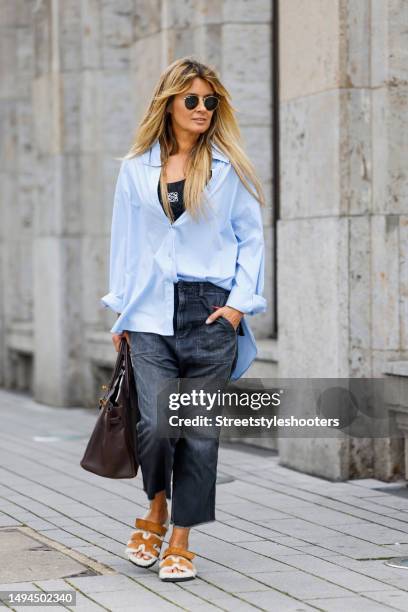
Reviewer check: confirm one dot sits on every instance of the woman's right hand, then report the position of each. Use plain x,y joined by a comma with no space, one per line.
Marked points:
116,339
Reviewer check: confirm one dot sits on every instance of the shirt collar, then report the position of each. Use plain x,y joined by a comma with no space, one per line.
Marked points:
152,155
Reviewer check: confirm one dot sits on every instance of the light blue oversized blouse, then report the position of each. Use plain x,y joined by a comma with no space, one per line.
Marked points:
148,253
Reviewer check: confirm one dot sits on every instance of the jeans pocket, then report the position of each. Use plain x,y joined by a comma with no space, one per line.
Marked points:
144,343
227,323
216,340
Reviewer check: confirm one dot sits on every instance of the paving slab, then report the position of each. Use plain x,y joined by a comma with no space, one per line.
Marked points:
356,604
24,559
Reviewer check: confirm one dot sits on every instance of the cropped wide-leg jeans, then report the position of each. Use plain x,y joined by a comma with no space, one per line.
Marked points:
184,467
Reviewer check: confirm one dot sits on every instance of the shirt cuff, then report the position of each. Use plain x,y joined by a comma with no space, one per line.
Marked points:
110,300
247,303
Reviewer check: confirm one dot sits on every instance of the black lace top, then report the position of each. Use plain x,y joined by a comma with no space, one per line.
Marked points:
175,195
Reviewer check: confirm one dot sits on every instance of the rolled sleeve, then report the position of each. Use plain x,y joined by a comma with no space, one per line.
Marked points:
247,288
114,299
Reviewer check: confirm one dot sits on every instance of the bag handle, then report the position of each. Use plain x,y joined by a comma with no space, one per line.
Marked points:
118,366
128,365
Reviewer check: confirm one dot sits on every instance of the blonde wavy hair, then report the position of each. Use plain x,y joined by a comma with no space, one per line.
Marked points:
224,132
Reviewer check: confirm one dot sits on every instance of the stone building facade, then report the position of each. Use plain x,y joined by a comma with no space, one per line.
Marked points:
76,76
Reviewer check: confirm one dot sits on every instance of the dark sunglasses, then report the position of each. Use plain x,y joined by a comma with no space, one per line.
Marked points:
210,101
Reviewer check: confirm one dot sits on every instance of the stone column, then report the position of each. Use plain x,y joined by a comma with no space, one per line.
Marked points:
17,194
58,225
342,269
8,166
323,234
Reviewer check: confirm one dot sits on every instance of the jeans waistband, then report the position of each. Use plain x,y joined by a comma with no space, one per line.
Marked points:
199,287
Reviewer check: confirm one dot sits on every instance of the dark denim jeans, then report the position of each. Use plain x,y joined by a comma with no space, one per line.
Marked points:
195,350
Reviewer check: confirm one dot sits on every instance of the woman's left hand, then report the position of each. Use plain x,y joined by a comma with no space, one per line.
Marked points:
233,315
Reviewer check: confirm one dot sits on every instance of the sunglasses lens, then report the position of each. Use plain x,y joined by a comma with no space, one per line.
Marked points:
191,102
211,103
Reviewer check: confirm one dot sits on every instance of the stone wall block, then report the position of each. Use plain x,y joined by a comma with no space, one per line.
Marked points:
243,93
25,137
117,119
58,353
379,50
8,64
359,291
326,458
110,170
91,43
10,271
24,11
25,62
397,41
177,42
70,34
147,18
48,120
309,47
91,105
93,219
70,83
178,14
144,75
256,141
354,43
380,150
47,209
71,209
355,151
117,33
251,42
243,11
390,150
397,196
211,12
403,280
95,251
310,160
208,44
42,37
385,282
8,136
312,298
22,283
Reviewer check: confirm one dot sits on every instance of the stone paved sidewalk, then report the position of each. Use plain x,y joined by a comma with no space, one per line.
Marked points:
283,540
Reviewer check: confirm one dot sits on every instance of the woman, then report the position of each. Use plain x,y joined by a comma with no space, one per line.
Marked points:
186,265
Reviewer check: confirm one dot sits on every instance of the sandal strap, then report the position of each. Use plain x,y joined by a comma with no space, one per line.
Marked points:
179,552
139,537
179,563
145,548
147,545
156,528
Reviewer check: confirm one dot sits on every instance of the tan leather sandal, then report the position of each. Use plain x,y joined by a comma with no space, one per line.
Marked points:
148,539
178,559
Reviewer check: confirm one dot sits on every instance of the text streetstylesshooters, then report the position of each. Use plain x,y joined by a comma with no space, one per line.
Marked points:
223,421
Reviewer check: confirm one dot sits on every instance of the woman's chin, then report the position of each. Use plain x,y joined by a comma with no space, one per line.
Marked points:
199,129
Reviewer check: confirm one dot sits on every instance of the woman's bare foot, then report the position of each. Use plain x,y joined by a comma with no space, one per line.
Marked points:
179,539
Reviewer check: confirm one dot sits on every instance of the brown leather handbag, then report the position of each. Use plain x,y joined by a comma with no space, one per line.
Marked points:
112,448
